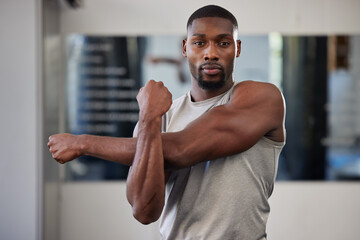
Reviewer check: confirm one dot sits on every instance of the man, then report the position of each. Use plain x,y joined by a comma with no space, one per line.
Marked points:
212,170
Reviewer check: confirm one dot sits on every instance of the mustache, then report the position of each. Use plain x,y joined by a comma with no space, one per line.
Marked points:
211,65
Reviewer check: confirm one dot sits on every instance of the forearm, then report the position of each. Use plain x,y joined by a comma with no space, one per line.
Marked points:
203,139
119,150
145,182
122,150
180,149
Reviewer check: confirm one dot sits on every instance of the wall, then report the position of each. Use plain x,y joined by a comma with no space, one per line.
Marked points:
94,211
51,85
254,17
20,126
314,210
299,210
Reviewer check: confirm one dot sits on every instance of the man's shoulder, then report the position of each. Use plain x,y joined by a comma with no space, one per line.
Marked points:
257,91
255,86
264,101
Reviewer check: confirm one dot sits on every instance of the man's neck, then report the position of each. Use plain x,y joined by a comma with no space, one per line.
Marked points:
199,94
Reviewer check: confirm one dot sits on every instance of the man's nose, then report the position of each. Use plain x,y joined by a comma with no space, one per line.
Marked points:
211,53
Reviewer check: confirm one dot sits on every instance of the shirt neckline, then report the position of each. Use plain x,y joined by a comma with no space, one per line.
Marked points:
209,100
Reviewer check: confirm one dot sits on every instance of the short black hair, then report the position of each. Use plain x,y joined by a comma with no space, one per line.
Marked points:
212,11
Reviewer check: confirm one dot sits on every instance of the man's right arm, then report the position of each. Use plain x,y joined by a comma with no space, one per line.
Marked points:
66,147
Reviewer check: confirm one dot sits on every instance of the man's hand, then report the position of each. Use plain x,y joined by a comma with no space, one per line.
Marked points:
154,100
64,147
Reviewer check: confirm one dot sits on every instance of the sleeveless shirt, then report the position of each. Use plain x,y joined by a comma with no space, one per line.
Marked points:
222,199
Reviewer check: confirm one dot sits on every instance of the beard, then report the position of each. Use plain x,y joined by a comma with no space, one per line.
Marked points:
211,85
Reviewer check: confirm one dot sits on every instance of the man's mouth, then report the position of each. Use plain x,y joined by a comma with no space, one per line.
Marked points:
211,69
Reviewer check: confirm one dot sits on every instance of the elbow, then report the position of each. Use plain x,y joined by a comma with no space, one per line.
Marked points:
147,212
146,208
146,220
145,215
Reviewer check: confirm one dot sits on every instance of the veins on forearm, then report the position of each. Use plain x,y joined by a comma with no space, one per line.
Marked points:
146,187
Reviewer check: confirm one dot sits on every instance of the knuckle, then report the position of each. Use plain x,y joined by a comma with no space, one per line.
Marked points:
55,155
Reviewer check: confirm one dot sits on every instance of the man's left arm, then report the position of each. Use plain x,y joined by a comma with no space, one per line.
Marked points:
255,110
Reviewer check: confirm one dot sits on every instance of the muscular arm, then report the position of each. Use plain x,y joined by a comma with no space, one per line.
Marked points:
145,183
146,180
255,110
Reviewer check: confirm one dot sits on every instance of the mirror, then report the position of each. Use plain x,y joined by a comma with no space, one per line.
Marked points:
318,75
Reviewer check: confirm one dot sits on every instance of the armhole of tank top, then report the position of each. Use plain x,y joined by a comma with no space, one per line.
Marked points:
272,142
163,123
232,90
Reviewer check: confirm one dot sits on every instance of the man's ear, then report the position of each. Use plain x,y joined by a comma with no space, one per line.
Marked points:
184,48
238,45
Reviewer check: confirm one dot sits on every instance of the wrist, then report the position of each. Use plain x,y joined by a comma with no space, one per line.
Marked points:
82,145
148,117
149,123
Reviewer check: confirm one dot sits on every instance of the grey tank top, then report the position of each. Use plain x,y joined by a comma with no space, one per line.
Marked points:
226,198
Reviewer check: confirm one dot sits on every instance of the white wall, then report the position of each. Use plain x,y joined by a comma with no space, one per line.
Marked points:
20,169
93,211
254,17
314,210
299,210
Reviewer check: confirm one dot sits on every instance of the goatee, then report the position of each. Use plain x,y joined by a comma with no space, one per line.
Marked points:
210,85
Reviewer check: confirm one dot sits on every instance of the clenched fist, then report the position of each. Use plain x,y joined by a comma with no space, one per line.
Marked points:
154,100
65,147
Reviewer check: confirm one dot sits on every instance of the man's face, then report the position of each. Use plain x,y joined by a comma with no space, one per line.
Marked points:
211,48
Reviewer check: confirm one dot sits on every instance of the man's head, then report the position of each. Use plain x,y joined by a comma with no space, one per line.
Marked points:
211,46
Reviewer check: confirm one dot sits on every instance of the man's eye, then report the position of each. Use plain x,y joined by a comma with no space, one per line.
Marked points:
224,43
199,43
